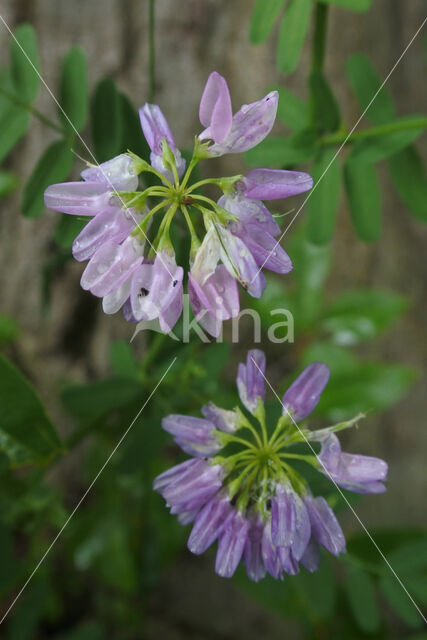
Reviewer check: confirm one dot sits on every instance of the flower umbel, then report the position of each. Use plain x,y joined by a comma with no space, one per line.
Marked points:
231,238
242,489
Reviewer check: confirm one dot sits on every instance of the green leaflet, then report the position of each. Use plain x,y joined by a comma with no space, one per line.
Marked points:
322,203
293,30
364,196
26,432
263,18
73,90
25,64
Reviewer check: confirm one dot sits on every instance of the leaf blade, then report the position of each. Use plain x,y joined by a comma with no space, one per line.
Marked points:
364,197
293,30
73,90
322,204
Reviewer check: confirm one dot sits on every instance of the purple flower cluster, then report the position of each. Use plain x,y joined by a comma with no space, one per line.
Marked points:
129,270
253,502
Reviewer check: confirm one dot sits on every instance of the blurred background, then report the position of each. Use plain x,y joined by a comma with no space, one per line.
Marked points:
71,383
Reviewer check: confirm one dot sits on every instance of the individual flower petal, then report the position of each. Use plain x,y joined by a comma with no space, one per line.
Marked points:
111,224
254,563
302,529
112,302
185,517
240,263
215,111
311,558
178,473
266,251
117,173
195,435
207,257
288,562
155,128
171,312
250,125
270,553
78,198
283,517
195,489
153,286
271,184
209,523
231,545
222,418
248,212
324,525
215,301
304,394
110,266
250,379
358,473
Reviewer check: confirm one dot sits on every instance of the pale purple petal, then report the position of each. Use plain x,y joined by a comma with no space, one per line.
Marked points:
117,173
358,473
324,525
111,224
288,562
302,528
78,198
283,517
254,563
269,553
240,263
186,517
114,301
215,111
214,301
190,428
178,473
171,312
222,418
110,266
271,184
265,249
250,379
155,128
248,211
304,394
194,490
153,286
311,558
231,545
250,125
209,523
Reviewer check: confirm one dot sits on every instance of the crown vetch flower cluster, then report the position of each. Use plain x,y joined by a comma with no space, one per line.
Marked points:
250,498
132,271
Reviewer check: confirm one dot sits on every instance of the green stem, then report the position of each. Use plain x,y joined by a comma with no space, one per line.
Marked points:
187,175
35,112
299,456
318,48
195,243
374,132
319,36
141,226
151,52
